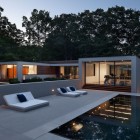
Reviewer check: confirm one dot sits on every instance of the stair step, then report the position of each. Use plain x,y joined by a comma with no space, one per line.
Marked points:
108,88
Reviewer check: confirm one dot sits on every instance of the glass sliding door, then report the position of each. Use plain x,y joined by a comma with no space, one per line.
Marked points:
123,73
69,72
107,73
111,73
117,73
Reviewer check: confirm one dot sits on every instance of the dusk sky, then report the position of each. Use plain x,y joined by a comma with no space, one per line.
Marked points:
16,9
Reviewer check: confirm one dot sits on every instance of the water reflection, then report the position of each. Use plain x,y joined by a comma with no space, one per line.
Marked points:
117,119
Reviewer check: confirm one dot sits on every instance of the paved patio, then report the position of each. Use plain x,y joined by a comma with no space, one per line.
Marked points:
36,124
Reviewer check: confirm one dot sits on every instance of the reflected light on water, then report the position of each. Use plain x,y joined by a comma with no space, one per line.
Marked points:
77,127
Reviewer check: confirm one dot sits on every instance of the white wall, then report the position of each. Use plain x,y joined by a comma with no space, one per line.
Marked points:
38,89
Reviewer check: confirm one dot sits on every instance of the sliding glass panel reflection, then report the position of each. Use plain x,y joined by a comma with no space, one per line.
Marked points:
123,73
110,73
107,73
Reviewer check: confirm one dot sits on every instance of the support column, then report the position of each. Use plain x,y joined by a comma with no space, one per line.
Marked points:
19,71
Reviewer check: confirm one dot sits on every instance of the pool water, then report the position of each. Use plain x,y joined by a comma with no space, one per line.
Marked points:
115,119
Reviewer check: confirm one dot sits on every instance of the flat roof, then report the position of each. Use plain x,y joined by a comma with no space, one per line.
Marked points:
111,58
44,63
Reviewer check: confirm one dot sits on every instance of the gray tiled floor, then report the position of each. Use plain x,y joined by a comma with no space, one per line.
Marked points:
37,123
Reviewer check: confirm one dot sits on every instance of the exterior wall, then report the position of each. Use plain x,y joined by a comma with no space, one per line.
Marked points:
81,72
133,75
51,70
38,89
46,70
137,74
19,72
41,70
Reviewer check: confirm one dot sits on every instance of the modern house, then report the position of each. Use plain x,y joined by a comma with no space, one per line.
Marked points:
114,72
120,72
27,70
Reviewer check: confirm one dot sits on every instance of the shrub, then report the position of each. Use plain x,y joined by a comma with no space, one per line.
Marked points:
34,79
14,81
53,79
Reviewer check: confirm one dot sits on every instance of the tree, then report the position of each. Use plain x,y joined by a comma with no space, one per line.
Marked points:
71,36
124,29
10,37
60,43
37,27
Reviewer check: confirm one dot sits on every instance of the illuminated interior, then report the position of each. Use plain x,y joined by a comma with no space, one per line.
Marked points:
109,73
11,71
69,72
29,69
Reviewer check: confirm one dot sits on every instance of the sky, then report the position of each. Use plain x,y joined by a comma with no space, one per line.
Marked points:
14,10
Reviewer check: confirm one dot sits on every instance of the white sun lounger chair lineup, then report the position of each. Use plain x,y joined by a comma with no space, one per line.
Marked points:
64,92
73,89
23,101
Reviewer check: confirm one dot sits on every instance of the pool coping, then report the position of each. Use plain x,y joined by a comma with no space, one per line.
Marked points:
80,111
45,129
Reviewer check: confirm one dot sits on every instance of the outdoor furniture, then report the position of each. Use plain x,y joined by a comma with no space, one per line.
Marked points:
23,101
64,92
73,89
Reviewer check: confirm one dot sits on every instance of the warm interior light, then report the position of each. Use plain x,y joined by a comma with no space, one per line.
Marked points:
32,69
128,113
9,66
77,127
123,118
73,123
121,108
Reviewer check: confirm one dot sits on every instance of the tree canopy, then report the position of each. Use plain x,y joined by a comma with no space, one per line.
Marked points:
113,32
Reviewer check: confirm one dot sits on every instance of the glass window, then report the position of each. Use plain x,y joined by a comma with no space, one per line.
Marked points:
29,69
109,73
69,72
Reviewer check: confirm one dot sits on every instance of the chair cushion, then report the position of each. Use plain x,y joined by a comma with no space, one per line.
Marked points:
29,105
21,98
72,88
63,90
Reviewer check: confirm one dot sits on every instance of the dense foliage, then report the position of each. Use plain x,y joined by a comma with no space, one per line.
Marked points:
71,36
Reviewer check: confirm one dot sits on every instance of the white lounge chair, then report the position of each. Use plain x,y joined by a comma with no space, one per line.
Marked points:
64,92
23,101
73,89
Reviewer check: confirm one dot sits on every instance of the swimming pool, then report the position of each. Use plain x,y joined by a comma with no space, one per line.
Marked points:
117,119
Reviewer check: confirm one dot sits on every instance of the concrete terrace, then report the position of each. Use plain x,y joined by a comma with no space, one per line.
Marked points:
36,124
